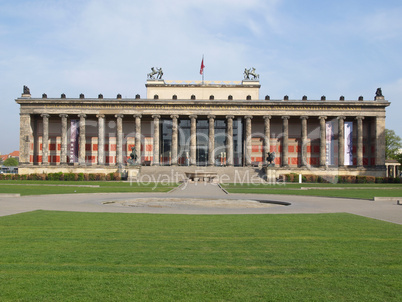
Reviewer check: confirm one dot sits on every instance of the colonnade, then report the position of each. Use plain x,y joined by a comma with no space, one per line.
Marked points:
25,133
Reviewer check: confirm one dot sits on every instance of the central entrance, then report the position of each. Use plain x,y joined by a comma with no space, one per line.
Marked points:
202,146
202,142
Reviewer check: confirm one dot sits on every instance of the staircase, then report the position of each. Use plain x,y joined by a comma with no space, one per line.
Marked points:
177,174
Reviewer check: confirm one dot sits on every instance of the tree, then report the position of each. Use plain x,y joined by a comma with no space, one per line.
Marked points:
393,144
10,162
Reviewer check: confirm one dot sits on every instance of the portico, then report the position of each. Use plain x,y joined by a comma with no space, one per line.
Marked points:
202,124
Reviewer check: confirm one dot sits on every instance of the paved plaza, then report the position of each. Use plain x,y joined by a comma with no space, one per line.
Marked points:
201,198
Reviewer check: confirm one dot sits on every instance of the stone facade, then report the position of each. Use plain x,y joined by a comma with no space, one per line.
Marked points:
202,124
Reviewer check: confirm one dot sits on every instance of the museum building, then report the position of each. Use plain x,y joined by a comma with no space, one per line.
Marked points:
197,124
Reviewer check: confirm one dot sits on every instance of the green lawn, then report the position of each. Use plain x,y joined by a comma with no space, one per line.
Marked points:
31,187
63,256
347,190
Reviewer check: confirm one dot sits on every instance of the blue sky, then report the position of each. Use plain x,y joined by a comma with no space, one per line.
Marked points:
308,47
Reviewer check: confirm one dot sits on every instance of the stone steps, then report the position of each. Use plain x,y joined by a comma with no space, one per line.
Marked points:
177,174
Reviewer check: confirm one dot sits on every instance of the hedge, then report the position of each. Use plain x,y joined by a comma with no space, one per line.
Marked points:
63,176
345,179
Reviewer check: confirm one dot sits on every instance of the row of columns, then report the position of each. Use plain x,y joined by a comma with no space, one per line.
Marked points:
380,127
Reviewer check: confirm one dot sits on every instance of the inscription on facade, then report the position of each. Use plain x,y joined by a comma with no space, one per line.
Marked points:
202,107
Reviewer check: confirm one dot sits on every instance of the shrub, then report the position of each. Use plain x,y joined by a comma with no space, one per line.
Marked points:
311,178
370,179
80,176
55,176
108,177
41,176
70,176
379,180
347,179
116,176
86,176
99,176
361,179
295,177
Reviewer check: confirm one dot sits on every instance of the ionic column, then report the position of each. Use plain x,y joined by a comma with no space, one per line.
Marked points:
303,140
380,141
63,151
101,139
138,137
82,142
25,138
45,139
156,140
323,153
267,136
360,140
211,140
248,139
193,140
341,141
285,141
119,143
229,136
174,139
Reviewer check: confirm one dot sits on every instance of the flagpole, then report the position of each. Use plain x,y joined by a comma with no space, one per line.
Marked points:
202,69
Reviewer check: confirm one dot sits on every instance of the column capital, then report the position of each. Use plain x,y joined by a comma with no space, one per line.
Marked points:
156,116
45,115
193,116
63,115
230,117
100,116
211,117
173,116
248,117
359,117
267,117
119,115
341,117
304,117
322,117
285,117
137,115
82,115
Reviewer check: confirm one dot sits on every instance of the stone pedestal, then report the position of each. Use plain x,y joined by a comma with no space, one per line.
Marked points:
271,175
132,173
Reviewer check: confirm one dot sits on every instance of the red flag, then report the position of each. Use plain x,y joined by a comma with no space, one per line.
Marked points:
202,66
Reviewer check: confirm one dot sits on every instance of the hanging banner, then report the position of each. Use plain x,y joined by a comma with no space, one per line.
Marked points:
74,134
330,144
348,143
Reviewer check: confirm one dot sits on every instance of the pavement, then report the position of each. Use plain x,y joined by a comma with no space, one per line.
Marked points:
201,198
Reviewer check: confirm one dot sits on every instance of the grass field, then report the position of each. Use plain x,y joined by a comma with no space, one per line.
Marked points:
63,256
32,187
29,187
363,191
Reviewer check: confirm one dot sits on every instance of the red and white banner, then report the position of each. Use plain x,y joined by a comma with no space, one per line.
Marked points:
330,144
74,135
348,143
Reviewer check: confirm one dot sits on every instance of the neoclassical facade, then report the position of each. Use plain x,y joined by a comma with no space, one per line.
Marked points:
197,124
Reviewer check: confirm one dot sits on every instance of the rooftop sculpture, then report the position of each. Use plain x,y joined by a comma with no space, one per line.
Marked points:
250,74
155,72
